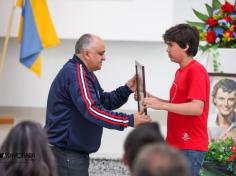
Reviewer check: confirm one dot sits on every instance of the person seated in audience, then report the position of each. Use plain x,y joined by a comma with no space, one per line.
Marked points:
160,160
25,152
139,137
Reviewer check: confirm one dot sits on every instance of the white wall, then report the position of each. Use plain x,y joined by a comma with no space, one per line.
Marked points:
20,87
110,19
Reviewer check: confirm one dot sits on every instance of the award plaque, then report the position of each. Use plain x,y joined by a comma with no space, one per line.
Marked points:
141,90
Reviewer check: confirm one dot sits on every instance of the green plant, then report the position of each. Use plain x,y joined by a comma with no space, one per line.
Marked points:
214,53
223,152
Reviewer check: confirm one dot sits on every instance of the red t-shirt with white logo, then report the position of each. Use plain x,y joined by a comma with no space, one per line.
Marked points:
187,132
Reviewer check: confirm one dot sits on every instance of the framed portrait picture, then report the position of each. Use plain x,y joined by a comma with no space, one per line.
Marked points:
222,115
141,89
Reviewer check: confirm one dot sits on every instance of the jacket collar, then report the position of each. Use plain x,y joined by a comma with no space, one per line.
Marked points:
76,59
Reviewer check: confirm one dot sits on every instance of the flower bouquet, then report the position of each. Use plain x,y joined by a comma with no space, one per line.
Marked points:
218,28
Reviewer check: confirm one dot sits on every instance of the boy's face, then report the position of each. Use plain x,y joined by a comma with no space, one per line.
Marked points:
175,52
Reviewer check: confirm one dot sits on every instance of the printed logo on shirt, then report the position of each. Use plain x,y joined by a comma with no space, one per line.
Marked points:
185,136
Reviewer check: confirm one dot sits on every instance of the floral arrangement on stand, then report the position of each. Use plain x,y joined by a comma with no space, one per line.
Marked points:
221,157
217,29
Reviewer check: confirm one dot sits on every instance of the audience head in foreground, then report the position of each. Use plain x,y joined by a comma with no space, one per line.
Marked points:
26,152
139,137
160,160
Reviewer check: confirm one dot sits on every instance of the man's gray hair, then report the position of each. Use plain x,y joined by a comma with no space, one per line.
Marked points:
83,42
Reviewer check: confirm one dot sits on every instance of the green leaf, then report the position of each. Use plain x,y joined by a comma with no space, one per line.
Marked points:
204,48
209,10
216,4
200,15
199,25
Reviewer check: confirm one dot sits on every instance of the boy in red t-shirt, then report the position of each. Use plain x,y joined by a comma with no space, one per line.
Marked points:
189,97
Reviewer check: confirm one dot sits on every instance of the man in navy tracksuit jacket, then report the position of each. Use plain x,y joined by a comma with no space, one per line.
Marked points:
78,108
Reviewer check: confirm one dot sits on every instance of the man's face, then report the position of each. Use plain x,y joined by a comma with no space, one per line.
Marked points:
96,54
225,102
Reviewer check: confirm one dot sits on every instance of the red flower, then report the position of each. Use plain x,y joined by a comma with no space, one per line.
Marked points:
227,18
228,34
227,7
233,148
211,37
212,22
234,27
233,156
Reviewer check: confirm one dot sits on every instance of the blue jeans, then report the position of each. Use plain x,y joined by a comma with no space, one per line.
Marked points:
195,158
70,163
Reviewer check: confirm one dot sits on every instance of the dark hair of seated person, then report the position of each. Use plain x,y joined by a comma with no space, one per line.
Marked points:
139,137
27,141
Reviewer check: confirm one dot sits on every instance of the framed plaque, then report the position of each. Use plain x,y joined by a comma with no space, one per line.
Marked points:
141,89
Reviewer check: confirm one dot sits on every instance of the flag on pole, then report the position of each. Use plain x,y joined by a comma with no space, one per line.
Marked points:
36,33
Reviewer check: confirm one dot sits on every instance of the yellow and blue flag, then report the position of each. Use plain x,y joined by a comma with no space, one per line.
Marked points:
36,33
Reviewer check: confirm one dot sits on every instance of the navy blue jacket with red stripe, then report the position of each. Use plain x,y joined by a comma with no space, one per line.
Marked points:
78,109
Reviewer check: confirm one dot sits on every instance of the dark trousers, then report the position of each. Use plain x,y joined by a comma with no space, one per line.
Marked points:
70,163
